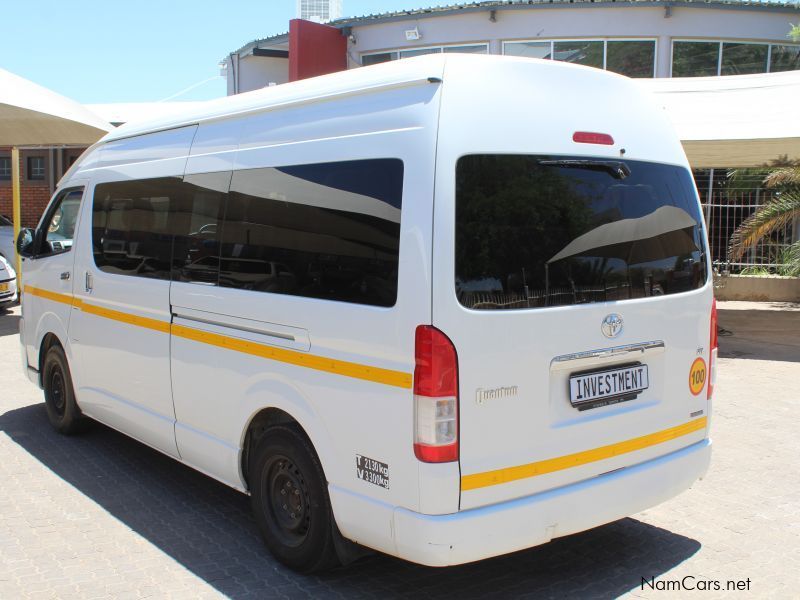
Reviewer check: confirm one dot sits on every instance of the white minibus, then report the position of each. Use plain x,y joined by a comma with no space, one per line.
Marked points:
445,308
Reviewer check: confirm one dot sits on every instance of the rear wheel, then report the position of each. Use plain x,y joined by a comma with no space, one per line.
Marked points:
59,396
290,500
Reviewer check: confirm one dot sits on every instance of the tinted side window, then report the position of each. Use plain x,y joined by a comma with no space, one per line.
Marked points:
157,228
329,230
196,249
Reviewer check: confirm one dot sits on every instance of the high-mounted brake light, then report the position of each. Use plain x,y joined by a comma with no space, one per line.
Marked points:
435,396
589,137
713,350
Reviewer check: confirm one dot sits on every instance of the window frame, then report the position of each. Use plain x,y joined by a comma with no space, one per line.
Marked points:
29,168
769,56
10,168
721,41
399,51
605,40
41,235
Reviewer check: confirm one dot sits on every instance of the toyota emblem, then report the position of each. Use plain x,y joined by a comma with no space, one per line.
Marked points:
612,325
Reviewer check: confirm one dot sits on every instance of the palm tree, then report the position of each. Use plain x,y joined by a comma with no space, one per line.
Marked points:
782,210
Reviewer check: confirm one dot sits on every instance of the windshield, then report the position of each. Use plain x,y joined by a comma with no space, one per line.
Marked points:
538,231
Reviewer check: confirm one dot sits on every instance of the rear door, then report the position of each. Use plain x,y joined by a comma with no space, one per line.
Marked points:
577,299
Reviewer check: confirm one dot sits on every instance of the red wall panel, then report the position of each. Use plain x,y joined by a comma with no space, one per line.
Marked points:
315,49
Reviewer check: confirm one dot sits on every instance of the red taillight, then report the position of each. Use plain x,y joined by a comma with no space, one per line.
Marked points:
589,137
435,396
712,354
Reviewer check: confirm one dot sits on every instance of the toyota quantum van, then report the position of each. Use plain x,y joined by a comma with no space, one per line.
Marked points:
445,308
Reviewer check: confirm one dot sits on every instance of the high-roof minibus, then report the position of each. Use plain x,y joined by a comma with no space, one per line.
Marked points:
445,308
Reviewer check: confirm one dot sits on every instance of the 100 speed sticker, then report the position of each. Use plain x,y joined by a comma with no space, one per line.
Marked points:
697,376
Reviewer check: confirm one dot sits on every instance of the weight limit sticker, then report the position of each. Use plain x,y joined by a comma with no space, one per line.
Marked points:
372,471
697,376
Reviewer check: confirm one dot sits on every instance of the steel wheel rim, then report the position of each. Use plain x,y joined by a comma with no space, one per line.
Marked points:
58,391
287,505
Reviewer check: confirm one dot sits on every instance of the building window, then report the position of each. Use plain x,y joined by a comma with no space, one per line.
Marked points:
742,59
633,58
784,58
375,59
695,58
36,168
588,53
5,168
542,50
380,57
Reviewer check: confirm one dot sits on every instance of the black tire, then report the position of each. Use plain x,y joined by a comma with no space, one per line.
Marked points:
290,501
59,395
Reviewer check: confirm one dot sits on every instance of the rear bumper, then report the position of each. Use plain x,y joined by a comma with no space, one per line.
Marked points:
9,295
471,535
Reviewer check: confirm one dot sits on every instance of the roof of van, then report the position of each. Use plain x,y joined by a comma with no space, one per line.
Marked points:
343,83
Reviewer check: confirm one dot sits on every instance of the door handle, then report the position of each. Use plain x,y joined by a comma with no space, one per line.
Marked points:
88,281
65,275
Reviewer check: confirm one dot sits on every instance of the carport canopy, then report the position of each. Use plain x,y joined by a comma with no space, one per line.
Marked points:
31,115
733,121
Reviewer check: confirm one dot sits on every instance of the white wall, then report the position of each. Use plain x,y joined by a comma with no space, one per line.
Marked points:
256,72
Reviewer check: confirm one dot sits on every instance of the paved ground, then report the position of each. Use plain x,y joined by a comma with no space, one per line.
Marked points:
103,516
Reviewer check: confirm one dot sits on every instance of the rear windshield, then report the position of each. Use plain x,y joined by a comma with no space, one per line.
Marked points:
537,231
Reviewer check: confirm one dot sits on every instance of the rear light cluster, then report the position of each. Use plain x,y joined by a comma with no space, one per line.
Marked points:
435,396
713,346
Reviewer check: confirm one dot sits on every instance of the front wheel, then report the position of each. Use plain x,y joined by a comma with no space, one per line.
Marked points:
59,395
290,500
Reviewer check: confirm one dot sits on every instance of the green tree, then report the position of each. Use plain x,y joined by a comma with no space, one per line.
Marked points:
782,210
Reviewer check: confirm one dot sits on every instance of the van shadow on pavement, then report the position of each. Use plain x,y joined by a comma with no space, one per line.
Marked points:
207,528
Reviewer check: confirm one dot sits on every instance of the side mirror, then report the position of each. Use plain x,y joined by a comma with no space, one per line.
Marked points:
25,242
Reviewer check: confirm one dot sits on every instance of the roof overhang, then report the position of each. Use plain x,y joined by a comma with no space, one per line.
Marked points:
733,121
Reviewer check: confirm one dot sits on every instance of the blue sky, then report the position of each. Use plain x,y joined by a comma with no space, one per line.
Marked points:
97,51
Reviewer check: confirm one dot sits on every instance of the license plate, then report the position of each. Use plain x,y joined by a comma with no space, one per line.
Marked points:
4,287
600,388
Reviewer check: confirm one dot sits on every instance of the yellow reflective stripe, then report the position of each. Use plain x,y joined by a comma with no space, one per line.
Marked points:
48,295
292,357
122,317
480,480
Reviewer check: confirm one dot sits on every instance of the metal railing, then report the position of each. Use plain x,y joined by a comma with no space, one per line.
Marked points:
725,208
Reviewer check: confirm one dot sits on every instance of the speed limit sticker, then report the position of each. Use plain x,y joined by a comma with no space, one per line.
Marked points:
697,376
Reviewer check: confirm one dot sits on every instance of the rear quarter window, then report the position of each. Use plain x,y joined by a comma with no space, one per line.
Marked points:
539,231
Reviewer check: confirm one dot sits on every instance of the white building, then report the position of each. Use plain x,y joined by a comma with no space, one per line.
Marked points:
644,38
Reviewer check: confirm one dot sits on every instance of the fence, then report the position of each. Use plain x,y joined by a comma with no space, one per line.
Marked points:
726,205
